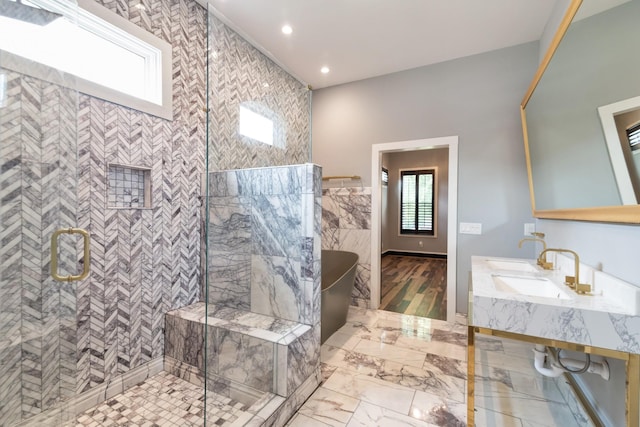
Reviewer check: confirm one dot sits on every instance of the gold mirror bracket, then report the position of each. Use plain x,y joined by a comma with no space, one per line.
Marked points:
54,254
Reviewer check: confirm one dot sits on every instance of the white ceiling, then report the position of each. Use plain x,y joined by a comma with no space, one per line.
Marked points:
358,39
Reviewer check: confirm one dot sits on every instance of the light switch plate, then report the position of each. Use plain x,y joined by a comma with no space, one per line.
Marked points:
529,227
470,228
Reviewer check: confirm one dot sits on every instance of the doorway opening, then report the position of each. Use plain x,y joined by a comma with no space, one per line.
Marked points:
419,248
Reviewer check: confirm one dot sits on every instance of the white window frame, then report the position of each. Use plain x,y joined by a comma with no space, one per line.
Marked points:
91,16
433,235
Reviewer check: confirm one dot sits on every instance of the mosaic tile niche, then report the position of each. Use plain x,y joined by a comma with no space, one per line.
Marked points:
346,226
129,187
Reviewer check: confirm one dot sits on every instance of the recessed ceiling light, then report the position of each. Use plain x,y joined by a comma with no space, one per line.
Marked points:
324,70
287,29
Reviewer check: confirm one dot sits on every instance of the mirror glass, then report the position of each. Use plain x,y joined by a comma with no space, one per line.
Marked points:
588,90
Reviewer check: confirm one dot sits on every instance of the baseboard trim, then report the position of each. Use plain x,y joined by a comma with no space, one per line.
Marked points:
417,254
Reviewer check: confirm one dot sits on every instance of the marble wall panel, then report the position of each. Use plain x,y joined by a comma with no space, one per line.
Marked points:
283,207
302,358
245,360
346,226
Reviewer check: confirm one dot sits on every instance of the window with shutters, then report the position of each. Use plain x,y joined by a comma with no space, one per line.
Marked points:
633,133
385,176
417,201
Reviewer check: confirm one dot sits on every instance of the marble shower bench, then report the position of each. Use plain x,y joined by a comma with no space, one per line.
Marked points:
252,351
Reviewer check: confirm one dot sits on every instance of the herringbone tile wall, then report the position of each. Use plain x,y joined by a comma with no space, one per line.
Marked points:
240,73
37,314
144,263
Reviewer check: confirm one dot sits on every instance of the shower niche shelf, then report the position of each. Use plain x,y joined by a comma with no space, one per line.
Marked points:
129,187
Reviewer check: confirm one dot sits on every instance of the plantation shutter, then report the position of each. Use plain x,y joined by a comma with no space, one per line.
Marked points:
417,196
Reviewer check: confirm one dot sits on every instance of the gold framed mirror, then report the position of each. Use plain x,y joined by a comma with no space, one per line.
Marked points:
574,172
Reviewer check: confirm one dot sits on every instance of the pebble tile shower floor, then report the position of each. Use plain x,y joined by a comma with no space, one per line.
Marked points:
162,401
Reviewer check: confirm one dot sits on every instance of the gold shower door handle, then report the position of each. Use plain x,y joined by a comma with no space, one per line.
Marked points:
54,254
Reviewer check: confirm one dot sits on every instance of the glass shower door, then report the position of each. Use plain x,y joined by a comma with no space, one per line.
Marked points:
38,168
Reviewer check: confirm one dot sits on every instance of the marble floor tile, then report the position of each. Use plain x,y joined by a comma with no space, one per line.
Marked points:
368,415
389,352
423,380
369,332
446,366
488,344
332,408
509,392
300,420
506,361
369,389
363,315
350,360
434,409
344,340
410,326
488,418
439,348
524,406
326,371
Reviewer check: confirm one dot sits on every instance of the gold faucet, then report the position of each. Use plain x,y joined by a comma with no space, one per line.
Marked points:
538,237
571,281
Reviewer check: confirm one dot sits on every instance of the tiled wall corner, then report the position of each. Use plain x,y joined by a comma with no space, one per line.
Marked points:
346,226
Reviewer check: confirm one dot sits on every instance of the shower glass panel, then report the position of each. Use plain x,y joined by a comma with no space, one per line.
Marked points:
38,109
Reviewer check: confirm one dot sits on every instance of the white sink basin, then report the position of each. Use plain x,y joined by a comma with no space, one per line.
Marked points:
514,265
532,286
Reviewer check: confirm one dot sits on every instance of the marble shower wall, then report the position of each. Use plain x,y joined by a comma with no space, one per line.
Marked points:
346,226
144,261
240,74
264,241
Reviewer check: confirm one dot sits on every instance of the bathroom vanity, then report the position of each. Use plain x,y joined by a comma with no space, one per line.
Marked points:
516,299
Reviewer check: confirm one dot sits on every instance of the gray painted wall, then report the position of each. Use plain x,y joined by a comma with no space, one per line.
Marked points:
476,98
438,158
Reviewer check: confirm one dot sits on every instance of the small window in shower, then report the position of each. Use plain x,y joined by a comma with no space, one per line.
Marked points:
129,187
256,126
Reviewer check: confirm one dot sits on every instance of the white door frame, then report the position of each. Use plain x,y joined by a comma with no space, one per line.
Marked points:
450,142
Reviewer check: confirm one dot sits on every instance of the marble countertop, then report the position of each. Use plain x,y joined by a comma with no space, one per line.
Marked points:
599,320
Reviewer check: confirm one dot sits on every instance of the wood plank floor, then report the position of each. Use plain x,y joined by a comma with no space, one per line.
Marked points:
414,285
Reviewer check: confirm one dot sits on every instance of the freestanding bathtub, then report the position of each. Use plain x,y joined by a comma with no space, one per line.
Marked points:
338,277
